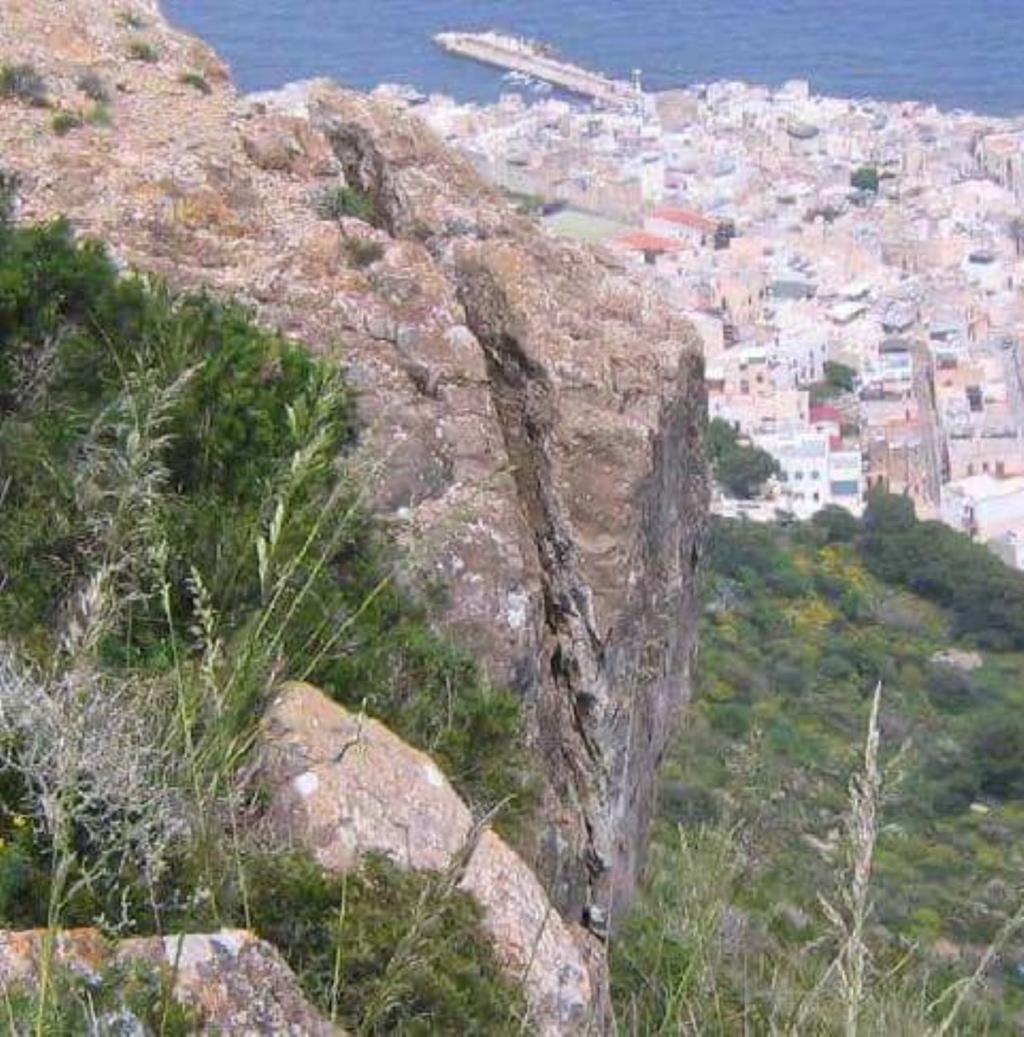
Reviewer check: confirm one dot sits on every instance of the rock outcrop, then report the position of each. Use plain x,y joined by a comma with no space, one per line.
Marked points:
234,982
343,786
536,415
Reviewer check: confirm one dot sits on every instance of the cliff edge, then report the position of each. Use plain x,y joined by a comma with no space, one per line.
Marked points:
533,415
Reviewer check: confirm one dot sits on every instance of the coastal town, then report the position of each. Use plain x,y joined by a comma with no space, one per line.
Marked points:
854,267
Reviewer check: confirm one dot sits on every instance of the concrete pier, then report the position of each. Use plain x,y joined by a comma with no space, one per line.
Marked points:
518,55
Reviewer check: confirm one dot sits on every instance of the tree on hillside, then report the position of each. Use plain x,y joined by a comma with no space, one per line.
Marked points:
865,179
740,468
839,379
836,524
839,376
888,513
985,596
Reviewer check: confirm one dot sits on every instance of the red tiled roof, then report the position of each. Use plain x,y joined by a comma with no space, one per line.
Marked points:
643,241
685,218
825,413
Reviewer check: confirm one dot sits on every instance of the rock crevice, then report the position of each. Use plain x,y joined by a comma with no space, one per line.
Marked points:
533,414
569,717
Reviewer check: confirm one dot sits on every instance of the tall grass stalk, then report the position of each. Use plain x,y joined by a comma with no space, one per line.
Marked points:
853,960
962,990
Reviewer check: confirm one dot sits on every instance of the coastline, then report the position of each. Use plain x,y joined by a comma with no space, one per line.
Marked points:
609,42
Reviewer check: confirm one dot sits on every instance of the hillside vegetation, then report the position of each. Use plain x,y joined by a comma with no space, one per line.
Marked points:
179,530
746,920
182,526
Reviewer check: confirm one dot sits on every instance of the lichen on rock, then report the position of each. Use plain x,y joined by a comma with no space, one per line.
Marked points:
233,982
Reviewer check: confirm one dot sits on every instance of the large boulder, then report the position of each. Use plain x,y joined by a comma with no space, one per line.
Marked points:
280,144
342,785
236,983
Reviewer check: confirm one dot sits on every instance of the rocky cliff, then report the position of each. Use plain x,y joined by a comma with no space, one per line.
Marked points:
533,416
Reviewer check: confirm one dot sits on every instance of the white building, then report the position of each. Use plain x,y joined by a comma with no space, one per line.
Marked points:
1009,547
895,361
816,471
983,506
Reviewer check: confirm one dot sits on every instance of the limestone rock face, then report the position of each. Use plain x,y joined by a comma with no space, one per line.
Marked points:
237,983
288,145
535,414
343,786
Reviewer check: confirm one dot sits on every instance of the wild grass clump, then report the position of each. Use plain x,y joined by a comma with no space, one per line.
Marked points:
383,951
335,203
363,253
64,122
88,776
99,115
131,20
94,86
23,83
694,958
141,50
196,81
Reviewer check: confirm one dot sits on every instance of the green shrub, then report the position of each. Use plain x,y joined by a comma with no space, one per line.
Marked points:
998,748
954,690
24,83
64,122
865,178
840,379
752,553
363,253
8,190
836,524
140,50
94,86
334,203
99,115
131,20
984,595
381,950
741,469
731,720
196,81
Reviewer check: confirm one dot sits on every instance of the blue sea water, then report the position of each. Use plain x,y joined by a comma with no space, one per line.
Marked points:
957,53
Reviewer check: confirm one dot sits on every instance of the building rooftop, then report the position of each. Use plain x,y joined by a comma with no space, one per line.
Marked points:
685,218
644,241
986,487
825,413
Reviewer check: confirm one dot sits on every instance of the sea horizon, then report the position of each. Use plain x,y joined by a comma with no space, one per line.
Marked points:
955,56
